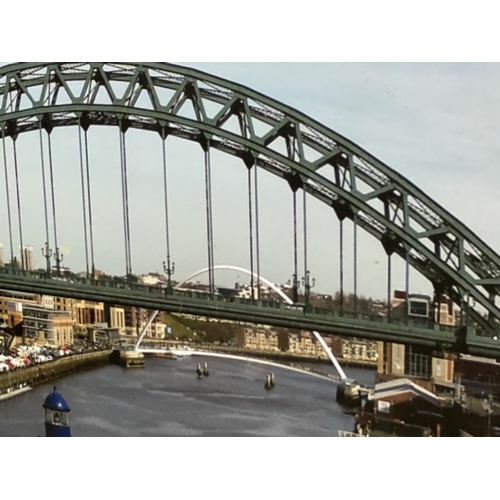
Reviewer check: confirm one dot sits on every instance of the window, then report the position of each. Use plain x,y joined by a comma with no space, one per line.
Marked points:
417,362
418,308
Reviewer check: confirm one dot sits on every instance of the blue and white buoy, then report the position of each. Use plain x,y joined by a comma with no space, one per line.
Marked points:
56,416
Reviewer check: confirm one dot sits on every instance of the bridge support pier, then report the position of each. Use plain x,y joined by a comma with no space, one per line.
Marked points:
348,393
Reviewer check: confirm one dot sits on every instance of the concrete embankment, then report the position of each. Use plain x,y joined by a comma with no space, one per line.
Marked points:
14,393
39,374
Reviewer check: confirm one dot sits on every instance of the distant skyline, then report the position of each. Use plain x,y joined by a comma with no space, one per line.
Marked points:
436,124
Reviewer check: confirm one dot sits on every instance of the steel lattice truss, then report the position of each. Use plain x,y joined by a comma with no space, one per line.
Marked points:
217,113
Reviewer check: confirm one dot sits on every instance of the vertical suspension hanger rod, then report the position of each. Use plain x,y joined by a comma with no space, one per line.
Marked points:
84,204
355,262
257,243
169,267
304,207
250,230
7,193
208,199
58,255
341,266
46,251
18,192
389,274
126,228
295,250
89,201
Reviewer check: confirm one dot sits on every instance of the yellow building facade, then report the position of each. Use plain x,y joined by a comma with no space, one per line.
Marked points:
11,306
47,326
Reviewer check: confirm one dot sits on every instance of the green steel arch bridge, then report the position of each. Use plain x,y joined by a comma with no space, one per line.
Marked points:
313,160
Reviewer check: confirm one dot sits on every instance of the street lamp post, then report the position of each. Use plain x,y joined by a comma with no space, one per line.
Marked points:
58,257
47,253
308,284
169,271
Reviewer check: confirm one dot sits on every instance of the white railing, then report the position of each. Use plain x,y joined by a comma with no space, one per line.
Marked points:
347,434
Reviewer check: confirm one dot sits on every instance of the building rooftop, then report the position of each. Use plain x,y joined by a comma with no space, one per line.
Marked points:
41,308
476,359
11,293
403,385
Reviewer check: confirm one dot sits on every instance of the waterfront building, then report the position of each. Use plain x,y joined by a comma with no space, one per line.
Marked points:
484,372
64,304
47,326
293,343
157,328
444,314
100,332
257,339
417,306
11,306
359,350
136,318
423,307
88,312
29,258
403,408
151,279
335,344
302,343
244,291
305,344
415,362
199,287
116,317
228,293
47,301
379,308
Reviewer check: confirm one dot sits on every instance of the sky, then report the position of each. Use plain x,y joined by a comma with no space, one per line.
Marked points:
436,124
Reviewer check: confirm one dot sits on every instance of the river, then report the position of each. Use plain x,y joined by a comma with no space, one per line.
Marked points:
166,399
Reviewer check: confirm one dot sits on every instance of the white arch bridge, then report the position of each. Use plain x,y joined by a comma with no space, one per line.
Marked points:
341,374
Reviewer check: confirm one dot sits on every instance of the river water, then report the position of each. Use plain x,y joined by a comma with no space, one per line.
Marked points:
166,399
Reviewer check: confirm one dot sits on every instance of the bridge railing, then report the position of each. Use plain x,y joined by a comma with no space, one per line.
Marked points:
410,322
23,273
291,309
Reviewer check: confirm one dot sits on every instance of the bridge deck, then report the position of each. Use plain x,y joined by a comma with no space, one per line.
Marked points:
303,370
272,313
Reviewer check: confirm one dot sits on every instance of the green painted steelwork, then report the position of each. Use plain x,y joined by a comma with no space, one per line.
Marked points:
409,223
437,338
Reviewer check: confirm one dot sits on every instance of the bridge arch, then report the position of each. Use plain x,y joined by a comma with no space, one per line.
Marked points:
259,361
270,284
407,222
285,297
